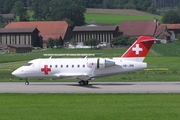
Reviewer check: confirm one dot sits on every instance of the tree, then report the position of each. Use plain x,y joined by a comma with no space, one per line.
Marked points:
73,42
92,42
18,9
6,6
115,41
41,9
67,9
123,40
51,43
165,3
58,43
92,3
70,10
178,37
152,9
171,17
108,4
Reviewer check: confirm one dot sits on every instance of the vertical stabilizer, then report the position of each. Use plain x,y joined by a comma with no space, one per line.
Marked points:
139,49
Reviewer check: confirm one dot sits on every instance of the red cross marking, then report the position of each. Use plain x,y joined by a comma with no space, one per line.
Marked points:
46,69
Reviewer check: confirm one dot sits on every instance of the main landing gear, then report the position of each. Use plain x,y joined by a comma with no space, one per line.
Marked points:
82,82
27,82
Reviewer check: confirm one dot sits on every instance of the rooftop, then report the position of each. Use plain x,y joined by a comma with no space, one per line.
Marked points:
20,46
17,30
48,29
95,27
138,27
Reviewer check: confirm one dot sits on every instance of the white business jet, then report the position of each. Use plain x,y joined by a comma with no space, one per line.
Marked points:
85,69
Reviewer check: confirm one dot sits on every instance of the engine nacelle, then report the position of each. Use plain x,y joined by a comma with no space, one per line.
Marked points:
100,63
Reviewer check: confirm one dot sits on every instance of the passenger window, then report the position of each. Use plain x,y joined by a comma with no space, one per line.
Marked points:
66,66
83,66
56,66
72,66
78,66
61,66
50,66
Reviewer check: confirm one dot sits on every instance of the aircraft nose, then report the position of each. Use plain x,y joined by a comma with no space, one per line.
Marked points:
17,73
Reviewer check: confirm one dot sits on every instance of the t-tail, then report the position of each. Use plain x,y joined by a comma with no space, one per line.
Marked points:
139,49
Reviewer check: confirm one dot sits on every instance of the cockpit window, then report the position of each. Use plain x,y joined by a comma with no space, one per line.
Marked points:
28,64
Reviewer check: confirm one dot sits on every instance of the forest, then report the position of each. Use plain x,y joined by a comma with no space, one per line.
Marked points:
165,3
73,11
142,5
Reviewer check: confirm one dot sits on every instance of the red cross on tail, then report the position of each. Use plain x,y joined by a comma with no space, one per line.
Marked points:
139,49
46,69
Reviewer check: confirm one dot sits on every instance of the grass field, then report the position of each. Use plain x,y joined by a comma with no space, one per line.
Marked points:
90,106
170,49
108,18
114,18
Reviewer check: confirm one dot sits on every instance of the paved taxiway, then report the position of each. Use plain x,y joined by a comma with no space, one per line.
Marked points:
93,87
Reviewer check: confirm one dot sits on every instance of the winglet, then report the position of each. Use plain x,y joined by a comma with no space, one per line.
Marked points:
139,49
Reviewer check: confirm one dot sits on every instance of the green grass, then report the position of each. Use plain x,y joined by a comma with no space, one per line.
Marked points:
29,56
170,49
171,63
157,50
107,18
90,106
84,51
115,18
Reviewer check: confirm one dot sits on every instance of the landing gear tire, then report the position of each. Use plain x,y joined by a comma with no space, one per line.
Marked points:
86,82
82,82
27,82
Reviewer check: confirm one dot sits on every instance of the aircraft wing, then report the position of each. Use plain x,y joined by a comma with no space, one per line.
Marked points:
82,76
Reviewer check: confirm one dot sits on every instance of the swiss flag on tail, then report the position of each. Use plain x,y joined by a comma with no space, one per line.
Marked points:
140,48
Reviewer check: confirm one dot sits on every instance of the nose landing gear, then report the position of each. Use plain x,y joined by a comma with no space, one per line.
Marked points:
27,82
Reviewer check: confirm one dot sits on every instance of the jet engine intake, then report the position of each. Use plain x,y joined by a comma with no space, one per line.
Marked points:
100,63
103,63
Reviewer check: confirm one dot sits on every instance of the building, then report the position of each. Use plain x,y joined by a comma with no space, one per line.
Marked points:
163,34
153,28
104,33
47,29
174,27
3,49
19,48
6,19
136,28
9,16
24,36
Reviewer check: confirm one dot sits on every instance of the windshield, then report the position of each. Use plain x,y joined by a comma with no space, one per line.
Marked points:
28,64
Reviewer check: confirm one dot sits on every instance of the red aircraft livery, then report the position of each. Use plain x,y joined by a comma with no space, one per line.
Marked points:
46,69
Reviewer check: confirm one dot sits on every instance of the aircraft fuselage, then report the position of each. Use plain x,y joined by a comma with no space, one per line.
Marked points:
77,68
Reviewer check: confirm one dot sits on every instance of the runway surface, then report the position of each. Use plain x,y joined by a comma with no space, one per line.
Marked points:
93,87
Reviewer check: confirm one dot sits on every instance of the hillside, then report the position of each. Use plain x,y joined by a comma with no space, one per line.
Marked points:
119,11
116,16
